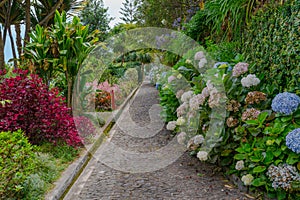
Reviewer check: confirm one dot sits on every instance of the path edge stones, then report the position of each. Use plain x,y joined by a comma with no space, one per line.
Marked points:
70,175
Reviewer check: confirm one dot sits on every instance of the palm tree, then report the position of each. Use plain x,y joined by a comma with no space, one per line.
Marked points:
44,10
27,21
11,13
2,60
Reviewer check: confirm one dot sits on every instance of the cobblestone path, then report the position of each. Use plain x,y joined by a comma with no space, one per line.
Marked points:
185,179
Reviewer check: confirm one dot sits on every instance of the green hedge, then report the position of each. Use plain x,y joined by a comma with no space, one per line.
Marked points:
16,163
272,44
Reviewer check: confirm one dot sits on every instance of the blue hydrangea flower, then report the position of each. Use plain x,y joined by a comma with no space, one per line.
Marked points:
293,140
285,103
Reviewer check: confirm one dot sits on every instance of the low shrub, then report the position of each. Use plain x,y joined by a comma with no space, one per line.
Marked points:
16,163
38,111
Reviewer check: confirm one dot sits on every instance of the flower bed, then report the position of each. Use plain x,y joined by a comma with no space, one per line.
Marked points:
225,118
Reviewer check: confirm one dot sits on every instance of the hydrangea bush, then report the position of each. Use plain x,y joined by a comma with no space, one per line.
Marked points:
259,135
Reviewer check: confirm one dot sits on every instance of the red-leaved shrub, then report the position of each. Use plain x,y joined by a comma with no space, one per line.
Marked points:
41,113
85,127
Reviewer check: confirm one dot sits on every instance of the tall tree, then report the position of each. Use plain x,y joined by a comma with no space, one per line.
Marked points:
43,11
11,13
95,15
128,11
165,13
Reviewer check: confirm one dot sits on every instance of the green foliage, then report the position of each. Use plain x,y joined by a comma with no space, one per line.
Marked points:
197,28
62,152
267,147
37,183
163,13
59,50
223,51
222,20
169,104
42,11
96,17
119,28
127,83
272,45
129,11
50,162
16,163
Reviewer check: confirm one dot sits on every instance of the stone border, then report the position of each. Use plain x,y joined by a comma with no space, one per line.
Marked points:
70,175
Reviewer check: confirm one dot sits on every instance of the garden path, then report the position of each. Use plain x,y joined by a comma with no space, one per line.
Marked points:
110,176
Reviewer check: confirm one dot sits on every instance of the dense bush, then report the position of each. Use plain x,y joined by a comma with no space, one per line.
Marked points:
272,45
38,111
16,163
227,119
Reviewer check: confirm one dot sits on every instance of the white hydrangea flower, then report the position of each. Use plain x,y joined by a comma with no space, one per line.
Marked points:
250,80
179,93
202,63
239,69
181,137
196,101
199,55
195,142
186,96
239,165
171,78
247,179
180,121
205,92
191,114
210,86
171,125
201,99
214,98
202,155
182,109
198,139
194,105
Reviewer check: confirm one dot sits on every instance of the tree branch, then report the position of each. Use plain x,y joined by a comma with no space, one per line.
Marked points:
2,3
48,17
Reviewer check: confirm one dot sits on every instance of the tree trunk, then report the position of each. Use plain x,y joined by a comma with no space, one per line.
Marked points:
13,49
27,22
6,22
69,87
2,3
2,60
18,39
45,21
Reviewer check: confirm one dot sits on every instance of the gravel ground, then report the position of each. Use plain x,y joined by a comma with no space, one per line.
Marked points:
185,179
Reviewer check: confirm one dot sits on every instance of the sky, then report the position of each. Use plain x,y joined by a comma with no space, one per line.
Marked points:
113,10
114,7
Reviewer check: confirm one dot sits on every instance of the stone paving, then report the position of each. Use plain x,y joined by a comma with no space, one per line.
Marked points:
186,178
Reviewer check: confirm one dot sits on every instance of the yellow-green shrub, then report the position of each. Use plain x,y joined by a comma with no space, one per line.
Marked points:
16,163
